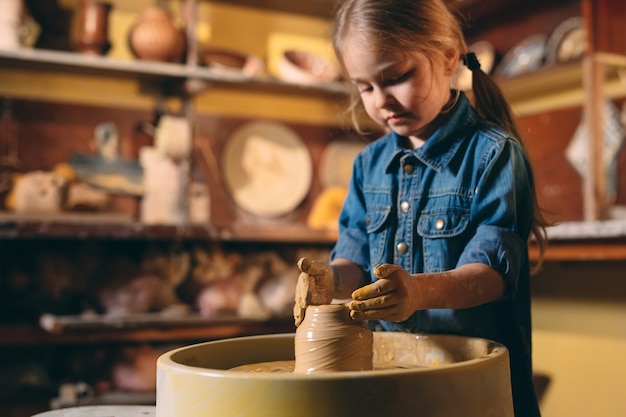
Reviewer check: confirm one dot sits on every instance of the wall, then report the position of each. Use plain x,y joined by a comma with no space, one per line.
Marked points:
579,321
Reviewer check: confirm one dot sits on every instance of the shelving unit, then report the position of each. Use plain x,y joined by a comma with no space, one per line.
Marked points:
543,90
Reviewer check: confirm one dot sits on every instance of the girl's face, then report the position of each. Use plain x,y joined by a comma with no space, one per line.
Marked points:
404,92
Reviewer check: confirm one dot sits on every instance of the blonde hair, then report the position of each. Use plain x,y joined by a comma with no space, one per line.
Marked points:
428,28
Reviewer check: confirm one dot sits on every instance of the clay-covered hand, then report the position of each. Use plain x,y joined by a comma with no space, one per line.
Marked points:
315,286
393,297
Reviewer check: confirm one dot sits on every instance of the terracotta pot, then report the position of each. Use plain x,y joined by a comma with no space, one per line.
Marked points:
329,340
155,37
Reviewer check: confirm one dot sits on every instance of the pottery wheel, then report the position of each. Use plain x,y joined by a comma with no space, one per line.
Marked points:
102,410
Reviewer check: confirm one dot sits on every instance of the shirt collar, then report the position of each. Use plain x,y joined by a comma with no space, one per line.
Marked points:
444,143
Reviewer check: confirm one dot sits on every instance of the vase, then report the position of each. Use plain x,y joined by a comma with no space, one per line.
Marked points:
329,340
155,37
94,26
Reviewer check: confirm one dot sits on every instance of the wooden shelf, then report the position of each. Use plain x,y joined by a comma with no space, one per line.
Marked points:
474,9
48,60
585,241
583,250
573,241
559,86
121,227
545,89
154,328
316,8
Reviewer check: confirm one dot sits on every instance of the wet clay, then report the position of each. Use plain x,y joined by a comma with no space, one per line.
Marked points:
328,340
285,367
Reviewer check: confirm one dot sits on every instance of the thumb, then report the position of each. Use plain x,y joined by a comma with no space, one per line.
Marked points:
386,271
311,266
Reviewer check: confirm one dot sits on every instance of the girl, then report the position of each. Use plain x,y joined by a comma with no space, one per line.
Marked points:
433,232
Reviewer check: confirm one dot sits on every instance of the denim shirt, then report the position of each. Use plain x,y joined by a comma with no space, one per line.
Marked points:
465,196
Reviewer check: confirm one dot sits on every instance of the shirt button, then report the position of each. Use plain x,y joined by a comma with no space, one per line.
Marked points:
367,220
402,248
439,224
408,168
404,206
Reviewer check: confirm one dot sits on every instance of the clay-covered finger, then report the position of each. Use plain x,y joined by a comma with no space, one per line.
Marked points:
367,292
386,270
378,314
375,303
376,289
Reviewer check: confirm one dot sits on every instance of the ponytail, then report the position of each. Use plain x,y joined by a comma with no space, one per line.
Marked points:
491,105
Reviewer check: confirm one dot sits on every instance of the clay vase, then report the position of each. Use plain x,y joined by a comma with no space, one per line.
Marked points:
329,340
10,24
155,37
94,24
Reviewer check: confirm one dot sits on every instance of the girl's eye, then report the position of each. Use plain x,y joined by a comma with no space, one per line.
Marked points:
363,88
402,77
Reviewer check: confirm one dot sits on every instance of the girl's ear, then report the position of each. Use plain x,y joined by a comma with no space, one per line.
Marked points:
451,61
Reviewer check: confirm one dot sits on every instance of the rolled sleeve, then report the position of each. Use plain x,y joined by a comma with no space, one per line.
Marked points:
501,249
503,211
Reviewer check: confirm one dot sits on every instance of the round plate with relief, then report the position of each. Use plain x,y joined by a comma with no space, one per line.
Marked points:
267,168
336,162
486,54
567,42
528,55
102,410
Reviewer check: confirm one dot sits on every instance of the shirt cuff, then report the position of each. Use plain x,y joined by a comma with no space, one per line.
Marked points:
501,249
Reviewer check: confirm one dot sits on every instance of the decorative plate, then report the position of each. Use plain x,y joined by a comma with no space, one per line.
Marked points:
336,162
267,168
486,54
567,42
526,56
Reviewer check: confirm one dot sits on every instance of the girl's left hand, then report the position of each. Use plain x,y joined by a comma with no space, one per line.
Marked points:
393,297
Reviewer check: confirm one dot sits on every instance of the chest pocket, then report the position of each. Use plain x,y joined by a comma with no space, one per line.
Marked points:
443,239
443,224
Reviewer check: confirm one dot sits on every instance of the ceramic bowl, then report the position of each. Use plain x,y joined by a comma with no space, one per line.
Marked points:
225,61
304,67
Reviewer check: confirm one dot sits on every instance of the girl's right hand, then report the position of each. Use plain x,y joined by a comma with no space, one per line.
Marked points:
393,297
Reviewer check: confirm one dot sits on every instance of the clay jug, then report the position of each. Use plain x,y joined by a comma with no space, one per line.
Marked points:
328,339
94,35
155,37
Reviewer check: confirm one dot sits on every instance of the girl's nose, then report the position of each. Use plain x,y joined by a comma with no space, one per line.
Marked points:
381,98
